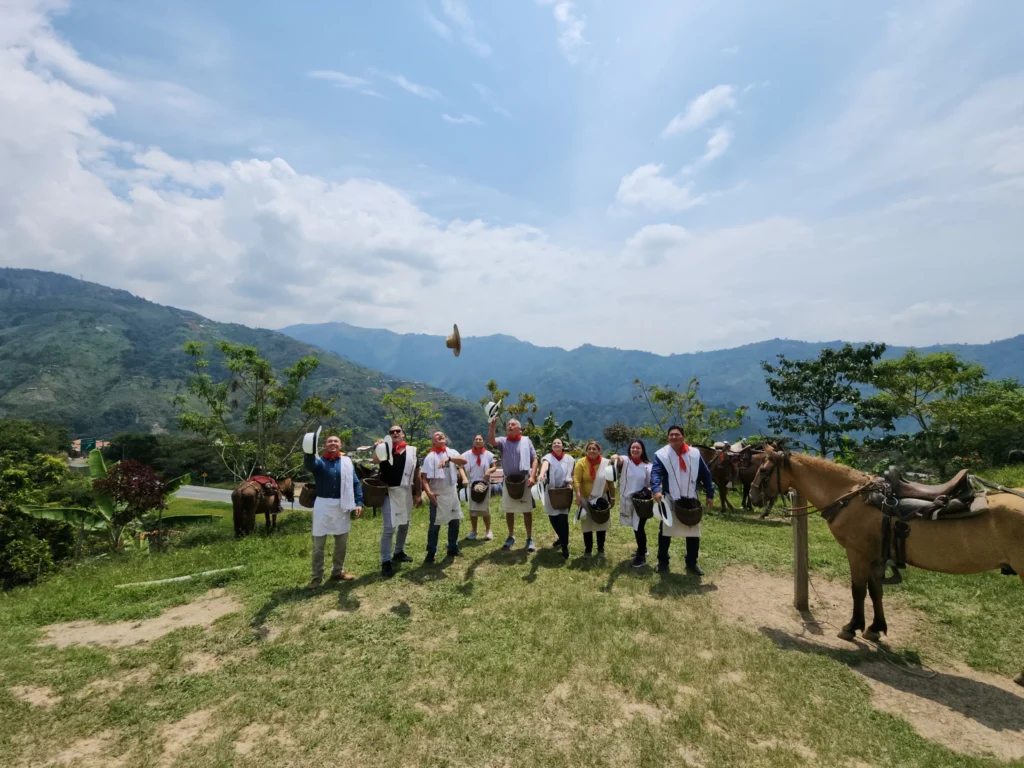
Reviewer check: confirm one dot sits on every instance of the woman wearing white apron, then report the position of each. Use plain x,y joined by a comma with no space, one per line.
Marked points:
634,475
402,476
479,466
588,482
338,494
440,483
675,474
556,472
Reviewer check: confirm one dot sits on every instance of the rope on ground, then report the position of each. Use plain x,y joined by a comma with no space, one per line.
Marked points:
179,578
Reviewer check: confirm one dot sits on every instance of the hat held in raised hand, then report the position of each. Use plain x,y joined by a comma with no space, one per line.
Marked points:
384,449
454,341
492,409
311,440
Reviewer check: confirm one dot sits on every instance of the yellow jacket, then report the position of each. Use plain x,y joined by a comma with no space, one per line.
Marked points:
581,479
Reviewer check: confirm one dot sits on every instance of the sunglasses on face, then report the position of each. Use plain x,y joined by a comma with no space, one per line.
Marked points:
396,432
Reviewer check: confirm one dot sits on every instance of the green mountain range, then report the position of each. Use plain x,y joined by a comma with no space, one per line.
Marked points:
594,385
102,361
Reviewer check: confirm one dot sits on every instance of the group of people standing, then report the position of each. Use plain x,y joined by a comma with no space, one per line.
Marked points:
672,479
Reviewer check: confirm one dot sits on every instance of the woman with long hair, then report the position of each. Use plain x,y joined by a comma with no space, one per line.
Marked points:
589,485
634,475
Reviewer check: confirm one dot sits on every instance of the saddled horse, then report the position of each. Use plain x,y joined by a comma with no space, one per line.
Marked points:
991,540
724,470
252,497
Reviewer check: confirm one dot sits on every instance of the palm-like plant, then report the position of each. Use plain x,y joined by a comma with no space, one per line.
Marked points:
125,493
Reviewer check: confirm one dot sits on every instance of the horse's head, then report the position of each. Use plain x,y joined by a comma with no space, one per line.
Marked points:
287,488
772,478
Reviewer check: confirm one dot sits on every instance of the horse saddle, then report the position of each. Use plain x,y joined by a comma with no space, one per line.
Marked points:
945,501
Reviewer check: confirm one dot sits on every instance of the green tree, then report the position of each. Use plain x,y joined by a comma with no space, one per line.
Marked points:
550,430
522,410
819,397
670,406
619,435
988,420
416,417
272,409
933,392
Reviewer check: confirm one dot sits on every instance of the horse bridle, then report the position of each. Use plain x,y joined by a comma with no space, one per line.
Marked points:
776,469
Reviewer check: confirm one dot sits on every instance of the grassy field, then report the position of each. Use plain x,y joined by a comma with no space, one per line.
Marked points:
497,658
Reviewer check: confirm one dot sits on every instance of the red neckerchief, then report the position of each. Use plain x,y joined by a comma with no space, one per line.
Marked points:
478,452
637,461
331,455
593,467
399,447
558,456
682,460
443,449
513,439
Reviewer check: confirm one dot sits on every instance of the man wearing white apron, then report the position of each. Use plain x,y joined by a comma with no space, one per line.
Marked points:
518,456
675,474
478,465
404,490
440,479
556,472
338,494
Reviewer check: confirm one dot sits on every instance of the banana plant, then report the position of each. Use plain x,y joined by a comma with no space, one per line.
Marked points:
113,517
548,431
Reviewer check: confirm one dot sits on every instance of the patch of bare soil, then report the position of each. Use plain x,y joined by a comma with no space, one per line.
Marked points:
800,748
203,612
111,687
36,695
255,734
965,710
89,753
200,663
191,730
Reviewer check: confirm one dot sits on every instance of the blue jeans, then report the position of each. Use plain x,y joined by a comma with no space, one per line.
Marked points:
387,536
434,531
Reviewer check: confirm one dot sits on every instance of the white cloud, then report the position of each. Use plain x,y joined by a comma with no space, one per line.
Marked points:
342,80
463,120
717,146
928,311
647,187
570,28
442,29
423,91
488,98
458,14
703,109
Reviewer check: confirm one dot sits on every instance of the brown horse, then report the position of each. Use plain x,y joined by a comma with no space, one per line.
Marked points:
724,470
990,541
250,499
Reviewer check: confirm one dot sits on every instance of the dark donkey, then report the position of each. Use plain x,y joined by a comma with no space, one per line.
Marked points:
724,468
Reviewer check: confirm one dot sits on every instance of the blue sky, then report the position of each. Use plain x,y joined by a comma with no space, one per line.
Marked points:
668,176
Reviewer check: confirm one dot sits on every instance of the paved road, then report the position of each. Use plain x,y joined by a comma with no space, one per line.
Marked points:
204,494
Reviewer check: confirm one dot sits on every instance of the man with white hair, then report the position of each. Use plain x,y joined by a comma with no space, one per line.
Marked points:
440,481
518,456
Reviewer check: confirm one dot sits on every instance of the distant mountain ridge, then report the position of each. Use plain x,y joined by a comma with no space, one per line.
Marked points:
594,385
101,361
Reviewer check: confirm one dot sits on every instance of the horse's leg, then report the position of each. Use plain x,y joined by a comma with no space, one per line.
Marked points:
236,516
748,505
723,492
878,626
860,575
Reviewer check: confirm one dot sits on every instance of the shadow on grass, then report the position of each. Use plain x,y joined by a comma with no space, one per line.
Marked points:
346,600
545,558
496,557
679,585
776,522
624,567
427,573
986,704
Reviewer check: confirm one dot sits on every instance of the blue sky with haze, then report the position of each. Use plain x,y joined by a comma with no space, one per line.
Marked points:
669,176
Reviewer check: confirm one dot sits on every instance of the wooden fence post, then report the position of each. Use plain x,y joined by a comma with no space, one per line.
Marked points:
800,556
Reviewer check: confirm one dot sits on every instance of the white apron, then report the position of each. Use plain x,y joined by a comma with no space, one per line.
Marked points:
400,497
559,476
332,517
633,478
680,485
597,491
448,506
477,474
525,504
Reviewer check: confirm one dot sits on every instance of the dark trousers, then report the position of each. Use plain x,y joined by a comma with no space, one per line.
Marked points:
560,524
588,541
641,537
434,530
692,547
